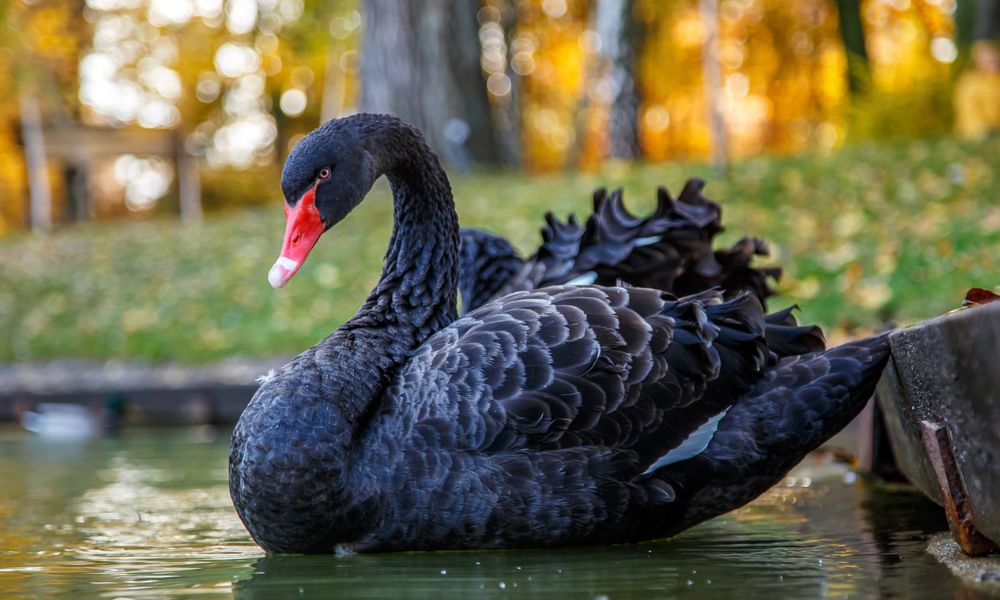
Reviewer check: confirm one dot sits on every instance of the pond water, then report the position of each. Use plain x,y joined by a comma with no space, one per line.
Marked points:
146,514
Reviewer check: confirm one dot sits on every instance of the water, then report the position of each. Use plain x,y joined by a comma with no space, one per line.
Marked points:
146,514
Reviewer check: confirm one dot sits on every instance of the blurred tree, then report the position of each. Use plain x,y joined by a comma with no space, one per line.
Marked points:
965,22
987,20
421,62
240,80
498,29
712,75
852,32
977,91
39,52
911,57
620,41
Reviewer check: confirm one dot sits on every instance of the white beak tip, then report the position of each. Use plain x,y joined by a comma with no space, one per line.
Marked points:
282,271
277,276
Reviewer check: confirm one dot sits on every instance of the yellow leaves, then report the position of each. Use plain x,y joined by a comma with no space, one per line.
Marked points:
792,181
138,319
898,40
805,288
933,216
211,338
47,32
872,293
932,184
991,222
547,135
784,76
12,181
848,224
886,260
688,30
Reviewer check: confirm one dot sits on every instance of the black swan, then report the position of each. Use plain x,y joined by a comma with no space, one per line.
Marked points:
558,416
670,250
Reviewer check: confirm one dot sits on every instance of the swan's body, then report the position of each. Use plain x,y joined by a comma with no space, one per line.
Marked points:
558,416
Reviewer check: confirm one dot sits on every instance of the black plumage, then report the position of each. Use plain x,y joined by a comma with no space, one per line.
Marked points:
553,416
669,250
486,263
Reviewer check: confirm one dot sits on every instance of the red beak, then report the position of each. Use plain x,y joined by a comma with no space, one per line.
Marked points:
302,230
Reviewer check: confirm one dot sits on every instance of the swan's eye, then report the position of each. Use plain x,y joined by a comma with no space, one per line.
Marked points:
324,173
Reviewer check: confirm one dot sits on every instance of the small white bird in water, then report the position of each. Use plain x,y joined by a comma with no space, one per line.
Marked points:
62,421
65,421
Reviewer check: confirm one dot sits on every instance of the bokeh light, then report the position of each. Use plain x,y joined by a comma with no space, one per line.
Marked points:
272,69
145,180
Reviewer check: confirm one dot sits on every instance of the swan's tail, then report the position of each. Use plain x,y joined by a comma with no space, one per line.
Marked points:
785,337
669,250
796,406
720,344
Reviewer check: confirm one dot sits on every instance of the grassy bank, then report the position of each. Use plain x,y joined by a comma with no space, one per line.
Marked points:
866,234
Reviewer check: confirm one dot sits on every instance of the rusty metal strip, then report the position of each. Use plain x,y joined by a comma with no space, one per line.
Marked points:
957,506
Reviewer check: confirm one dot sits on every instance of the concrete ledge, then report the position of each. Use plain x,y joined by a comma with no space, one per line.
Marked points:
168,394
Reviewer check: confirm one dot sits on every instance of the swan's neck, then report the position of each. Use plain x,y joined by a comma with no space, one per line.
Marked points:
331,392
416,294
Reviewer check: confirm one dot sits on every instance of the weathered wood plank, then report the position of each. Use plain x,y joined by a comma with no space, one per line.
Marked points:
947,371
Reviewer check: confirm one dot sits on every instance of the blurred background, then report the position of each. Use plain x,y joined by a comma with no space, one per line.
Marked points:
141,143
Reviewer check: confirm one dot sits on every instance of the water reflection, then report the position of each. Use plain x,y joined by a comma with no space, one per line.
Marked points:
823,540
147,514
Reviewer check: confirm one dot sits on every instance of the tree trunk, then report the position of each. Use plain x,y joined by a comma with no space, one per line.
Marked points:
987,20
508,117
39,192
188,183
421,63
620,39
852,32
712,72
965,22
332,104
77,181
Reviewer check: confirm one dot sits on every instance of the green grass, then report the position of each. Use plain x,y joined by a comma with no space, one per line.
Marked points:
866,234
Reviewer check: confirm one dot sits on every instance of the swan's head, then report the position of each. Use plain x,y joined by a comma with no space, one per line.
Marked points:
326,175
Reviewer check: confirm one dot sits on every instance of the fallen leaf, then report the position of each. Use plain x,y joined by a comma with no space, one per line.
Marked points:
977,296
